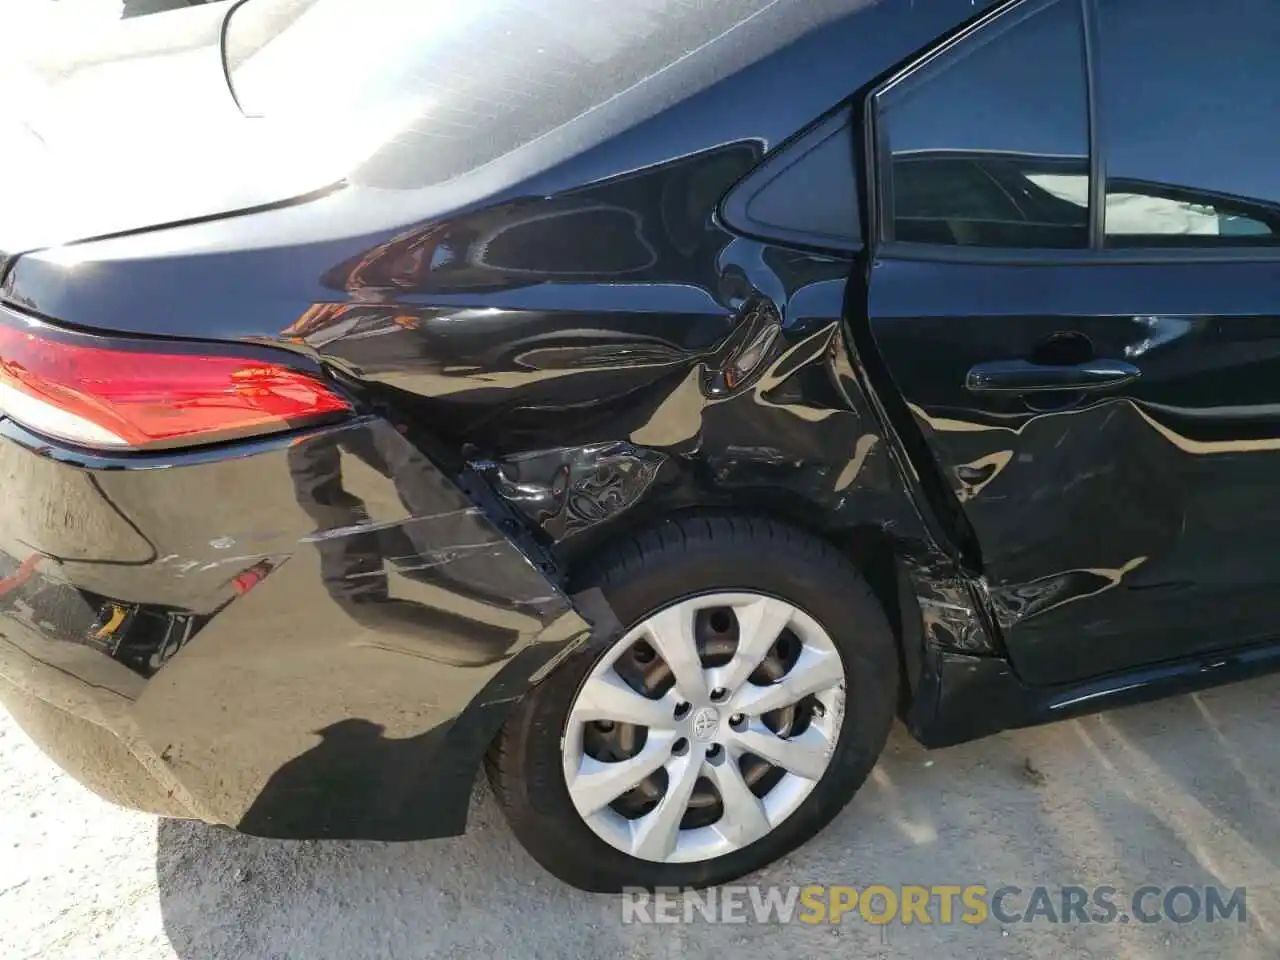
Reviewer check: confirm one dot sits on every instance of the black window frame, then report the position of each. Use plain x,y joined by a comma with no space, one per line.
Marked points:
878,172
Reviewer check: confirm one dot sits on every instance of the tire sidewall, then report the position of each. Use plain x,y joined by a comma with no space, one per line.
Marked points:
846,610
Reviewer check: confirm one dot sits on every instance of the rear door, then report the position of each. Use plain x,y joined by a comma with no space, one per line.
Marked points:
1076,292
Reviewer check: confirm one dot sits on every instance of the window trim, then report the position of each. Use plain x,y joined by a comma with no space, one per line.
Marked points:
1048,257
1097,149
880,239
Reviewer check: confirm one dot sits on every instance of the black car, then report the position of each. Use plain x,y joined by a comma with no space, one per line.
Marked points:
648,401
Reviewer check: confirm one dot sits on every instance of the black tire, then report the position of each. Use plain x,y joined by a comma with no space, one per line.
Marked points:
678,559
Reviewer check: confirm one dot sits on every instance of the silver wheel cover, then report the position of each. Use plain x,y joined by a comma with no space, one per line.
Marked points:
705,728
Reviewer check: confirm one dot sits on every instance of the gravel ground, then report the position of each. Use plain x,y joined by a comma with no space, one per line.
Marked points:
1179,792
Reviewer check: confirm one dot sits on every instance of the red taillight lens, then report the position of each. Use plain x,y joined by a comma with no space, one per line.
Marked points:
96,393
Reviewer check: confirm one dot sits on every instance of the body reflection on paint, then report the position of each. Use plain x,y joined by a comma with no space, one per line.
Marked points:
587,318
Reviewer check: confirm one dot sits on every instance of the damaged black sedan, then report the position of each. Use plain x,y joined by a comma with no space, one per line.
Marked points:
646,401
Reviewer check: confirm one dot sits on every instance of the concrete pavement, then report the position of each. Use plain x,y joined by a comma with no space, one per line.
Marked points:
1185,791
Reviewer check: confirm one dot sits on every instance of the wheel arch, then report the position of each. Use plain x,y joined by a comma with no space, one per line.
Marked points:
876,555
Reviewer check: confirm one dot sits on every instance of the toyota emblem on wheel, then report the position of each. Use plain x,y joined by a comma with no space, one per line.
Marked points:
705,724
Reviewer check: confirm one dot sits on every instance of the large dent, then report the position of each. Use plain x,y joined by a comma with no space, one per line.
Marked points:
608,370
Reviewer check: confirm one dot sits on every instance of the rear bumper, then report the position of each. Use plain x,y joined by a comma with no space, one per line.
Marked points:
312,636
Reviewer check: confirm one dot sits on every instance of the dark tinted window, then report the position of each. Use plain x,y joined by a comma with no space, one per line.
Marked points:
990,142
1190,116
807,194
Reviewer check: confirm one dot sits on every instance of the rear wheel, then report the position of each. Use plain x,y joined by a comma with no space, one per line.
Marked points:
745,703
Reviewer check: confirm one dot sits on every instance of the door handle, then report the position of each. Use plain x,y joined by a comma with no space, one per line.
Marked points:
1021,376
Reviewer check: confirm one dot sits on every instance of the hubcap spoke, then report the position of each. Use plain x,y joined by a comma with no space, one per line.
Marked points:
701,728
672,634
744,820
814,671
759,624
608,697
598,784
805,755
654,835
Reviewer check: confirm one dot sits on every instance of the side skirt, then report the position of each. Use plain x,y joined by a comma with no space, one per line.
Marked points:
962,697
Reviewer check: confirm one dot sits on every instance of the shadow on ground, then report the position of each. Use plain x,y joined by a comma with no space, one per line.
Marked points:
1185,791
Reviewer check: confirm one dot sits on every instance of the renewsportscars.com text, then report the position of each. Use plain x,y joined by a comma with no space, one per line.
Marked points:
936,904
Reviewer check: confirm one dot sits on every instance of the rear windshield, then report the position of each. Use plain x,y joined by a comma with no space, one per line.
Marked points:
457,83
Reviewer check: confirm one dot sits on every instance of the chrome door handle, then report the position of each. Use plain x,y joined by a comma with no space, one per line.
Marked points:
1021,376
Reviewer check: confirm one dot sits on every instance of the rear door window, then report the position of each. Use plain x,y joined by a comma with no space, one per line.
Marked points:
1190,122
988,143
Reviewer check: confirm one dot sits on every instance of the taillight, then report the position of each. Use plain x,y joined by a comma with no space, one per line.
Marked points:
104,393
